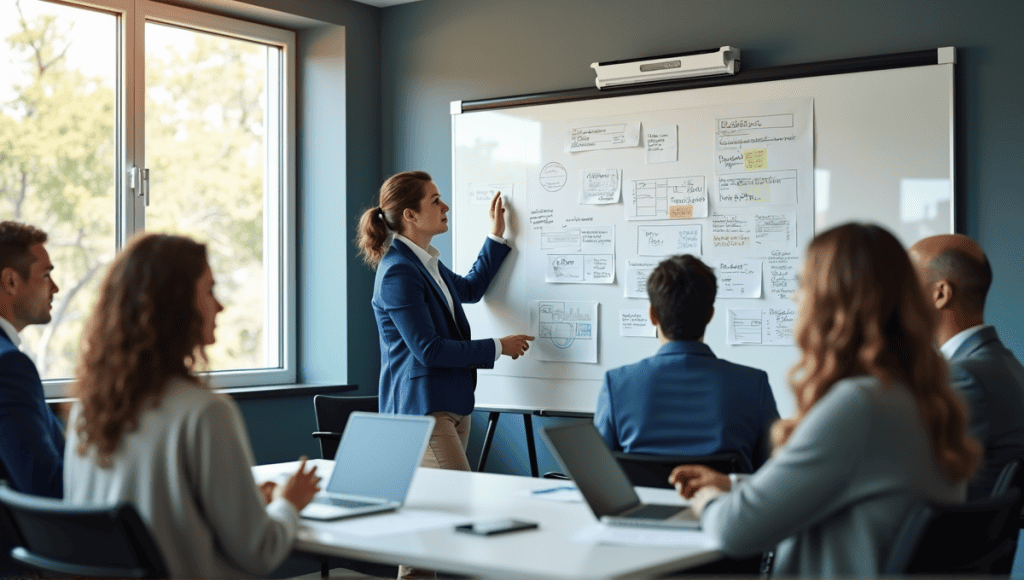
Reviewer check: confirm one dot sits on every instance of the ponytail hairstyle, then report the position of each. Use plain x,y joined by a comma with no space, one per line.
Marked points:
399,193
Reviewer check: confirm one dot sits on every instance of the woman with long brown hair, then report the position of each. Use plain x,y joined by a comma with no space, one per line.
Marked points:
148,430
877,426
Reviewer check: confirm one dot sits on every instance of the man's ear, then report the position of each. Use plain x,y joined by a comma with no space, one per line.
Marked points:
942,294
653,314
9,280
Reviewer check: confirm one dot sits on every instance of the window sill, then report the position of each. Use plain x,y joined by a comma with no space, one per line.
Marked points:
262,392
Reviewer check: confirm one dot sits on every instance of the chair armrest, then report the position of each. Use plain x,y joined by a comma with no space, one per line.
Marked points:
328,435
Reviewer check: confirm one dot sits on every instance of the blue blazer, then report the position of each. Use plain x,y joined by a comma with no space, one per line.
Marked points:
428,360
686,401
31,437
991,380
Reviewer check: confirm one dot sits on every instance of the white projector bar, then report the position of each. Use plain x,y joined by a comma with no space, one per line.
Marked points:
722,61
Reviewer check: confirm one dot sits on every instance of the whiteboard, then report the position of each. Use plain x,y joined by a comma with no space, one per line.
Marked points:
882,152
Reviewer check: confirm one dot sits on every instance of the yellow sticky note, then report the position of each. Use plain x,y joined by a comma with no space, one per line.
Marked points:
756,192
680,212
755,159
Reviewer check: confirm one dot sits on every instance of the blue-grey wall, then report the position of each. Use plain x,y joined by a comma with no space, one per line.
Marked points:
438,51
404,64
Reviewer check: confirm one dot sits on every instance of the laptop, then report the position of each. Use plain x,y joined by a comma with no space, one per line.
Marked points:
373,468
604,485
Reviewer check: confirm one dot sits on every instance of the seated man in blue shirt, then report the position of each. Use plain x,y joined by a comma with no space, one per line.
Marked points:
684,400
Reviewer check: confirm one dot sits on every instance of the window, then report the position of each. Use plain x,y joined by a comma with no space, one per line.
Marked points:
127,115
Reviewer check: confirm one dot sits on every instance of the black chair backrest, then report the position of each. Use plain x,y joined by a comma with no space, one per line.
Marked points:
958,539
1010,476
332,415
102,542
653,470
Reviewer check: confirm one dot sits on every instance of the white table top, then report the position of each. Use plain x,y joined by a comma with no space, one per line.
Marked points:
544,553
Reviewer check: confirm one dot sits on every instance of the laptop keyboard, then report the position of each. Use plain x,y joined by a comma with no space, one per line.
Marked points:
654,512
345,503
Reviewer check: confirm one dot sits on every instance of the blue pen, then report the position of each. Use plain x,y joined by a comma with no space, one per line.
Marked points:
551,489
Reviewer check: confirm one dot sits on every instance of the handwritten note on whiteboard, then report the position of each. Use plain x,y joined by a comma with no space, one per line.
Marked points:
483,194
783,274
668,240
595,137
636,322
738,278
667,198
662,144
778,325
636,275
744,326
599,186
757,188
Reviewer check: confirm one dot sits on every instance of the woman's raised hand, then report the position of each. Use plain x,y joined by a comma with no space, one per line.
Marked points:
497,214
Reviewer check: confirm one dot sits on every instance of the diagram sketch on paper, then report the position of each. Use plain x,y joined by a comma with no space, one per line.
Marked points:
566,331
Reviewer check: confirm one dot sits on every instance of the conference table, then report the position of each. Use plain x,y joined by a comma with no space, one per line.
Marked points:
422,532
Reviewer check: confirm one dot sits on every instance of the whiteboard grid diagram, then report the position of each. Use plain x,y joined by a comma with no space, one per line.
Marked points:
883,147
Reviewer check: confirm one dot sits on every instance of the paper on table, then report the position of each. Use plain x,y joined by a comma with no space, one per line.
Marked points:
403,521
634,536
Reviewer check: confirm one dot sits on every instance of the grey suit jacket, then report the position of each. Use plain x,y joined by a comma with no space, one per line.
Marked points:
832,497
991,380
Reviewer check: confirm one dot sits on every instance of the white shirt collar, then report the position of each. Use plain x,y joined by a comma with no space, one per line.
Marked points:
949,348
425,256
11,332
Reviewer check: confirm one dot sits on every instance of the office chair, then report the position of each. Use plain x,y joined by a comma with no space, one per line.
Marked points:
65,540
947,540
332,415
653,470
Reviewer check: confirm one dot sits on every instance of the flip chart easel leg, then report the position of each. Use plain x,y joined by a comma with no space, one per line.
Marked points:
492,426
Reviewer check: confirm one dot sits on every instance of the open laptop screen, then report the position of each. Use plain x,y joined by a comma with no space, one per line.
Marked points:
379,454
586,458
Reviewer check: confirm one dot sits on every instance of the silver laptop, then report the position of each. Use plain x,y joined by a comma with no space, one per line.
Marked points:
604,485
373,468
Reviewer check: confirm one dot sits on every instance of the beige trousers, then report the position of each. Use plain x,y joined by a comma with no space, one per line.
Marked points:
446,450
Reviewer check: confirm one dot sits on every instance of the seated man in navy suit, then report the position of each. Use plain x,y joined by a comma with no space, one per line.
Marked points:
956,276
31,438
684,400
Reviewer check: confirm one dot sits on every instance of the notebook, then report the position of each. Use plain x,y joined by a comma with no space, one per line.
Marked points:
373,468
604,485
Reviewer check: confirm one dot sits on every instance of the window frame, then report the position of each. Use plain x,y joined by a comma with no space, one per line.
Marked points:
130,152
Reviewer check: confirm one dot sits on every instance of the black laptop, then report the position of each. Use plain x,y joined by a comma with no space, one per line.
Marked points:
606,488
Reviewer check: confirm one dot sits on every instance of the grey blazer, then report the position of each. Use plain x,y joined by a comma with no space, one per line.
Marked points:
991,380
832,497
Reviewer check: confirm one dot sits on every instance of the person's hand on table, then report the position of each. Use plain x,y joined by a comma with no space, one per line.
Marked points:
300,487
689,479
497,214
267,490
515,345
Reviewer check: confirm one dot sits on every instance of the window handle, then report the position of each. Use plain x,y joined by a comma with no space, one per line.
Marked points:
138,181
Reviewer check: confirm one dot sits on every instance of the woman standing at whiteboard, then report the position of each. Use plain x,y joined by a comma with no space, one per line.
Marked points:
428,361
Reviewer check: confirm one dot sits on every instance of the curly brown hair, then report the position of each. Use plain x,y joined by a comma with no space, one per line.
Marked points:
862,312
146,329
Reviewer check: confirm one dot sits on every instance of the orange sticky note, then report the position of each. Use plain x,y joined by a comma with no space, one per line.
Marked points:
680,212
